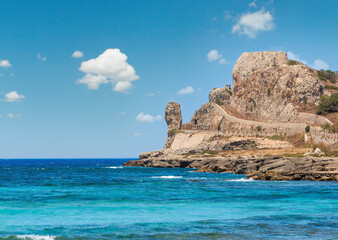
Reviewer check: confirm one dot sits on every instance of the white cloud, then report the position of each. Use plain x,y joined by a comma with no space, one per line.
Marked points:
214,19
122,87
251,23
187,90
111,66
5,64
77,54
141,117
122,113
0,116
293,56
151,94
213,55
137,134
10,115
93,81
223,61
41,57
227,15
320,64
253,4
19,115
13,97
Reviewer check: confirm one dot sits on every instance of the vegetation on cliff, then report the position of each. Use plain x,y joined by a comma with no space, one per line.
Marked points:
328,104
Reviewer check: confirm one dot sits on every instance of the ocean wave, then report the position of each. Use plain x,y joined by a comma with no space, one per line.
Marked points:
114,167
167,177
35,237
241,180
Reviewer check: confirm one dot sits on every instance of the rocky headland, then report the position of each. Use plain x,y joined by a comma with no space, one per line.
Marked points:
263,127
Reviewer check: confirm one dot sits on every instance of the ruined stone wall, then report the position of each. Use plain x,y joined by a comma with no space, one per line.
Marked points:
330,139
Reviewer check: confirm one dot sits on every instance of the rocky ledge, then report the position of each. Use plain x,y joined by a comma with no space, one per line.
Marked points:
257,168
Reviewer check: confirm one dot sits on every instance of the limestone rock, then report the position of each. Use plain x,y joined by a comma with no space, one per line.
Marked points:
173,118
266,87
220,96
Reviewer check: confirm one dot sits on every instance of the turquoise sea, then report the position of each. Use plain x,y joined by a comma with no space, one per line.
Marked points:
100,199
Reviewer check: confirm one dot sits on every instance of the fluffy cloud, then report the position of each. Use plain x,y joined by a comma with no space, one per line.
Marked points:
111,66
77,54
320,64
5,64
213,55
122,87
13,97
41,57
93,81
141,117
293,56
122,113
251,23
223,61
10,115
187,90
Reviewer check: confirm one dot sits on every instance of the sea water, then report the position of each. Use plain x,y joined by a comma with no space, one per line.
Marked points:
100,199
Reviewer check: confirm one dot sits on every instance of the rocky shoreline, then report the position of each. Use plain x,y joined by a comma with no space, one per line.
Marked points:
257,168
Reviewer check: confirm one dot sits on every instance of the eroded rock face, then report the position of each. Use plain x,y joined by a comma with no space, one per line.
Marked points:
206,117
220,96
266,87
173,118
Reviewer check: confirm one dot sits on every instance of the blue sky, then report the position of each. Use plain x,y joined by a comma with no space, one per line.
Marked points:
108,99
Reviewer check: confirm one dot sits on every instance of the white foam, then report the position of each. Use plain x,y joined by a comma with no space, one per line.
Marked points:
167,177
115,167
241,180
36,237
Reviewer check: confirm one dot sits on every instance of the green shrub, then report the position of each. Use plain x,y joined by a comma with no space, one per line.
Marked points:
328,104
292,62
327,75
307,129
259,128
218,101
228,91
269,91
331,87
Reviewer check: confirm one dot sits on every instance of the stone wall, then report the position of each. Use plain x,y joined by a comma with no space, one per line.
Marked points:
330,139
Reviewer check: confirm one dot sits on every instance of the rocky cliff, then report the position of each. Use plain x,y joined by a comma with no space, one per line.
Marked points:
265,108
268,86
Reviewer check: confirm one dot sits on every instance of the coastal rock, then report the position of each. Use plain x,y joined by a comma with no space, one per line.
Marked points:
257,168
220,96
173,118
266,86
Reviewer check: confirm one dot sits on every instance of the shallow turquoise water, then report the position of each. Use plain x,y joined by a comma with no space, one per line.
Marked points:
99,199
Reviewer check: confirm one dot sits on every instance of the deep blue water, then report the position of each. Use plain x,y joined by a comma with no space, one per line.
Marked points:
99,199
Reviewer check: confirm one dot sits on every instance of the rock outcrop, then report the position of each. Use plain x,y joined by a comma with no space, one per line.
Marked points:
266,86
220,96
173,118
267,103
255,167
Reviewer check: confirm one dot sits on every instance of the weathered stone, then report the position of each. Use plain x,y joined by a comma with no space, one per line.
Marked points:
173,118
220,96
266,87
